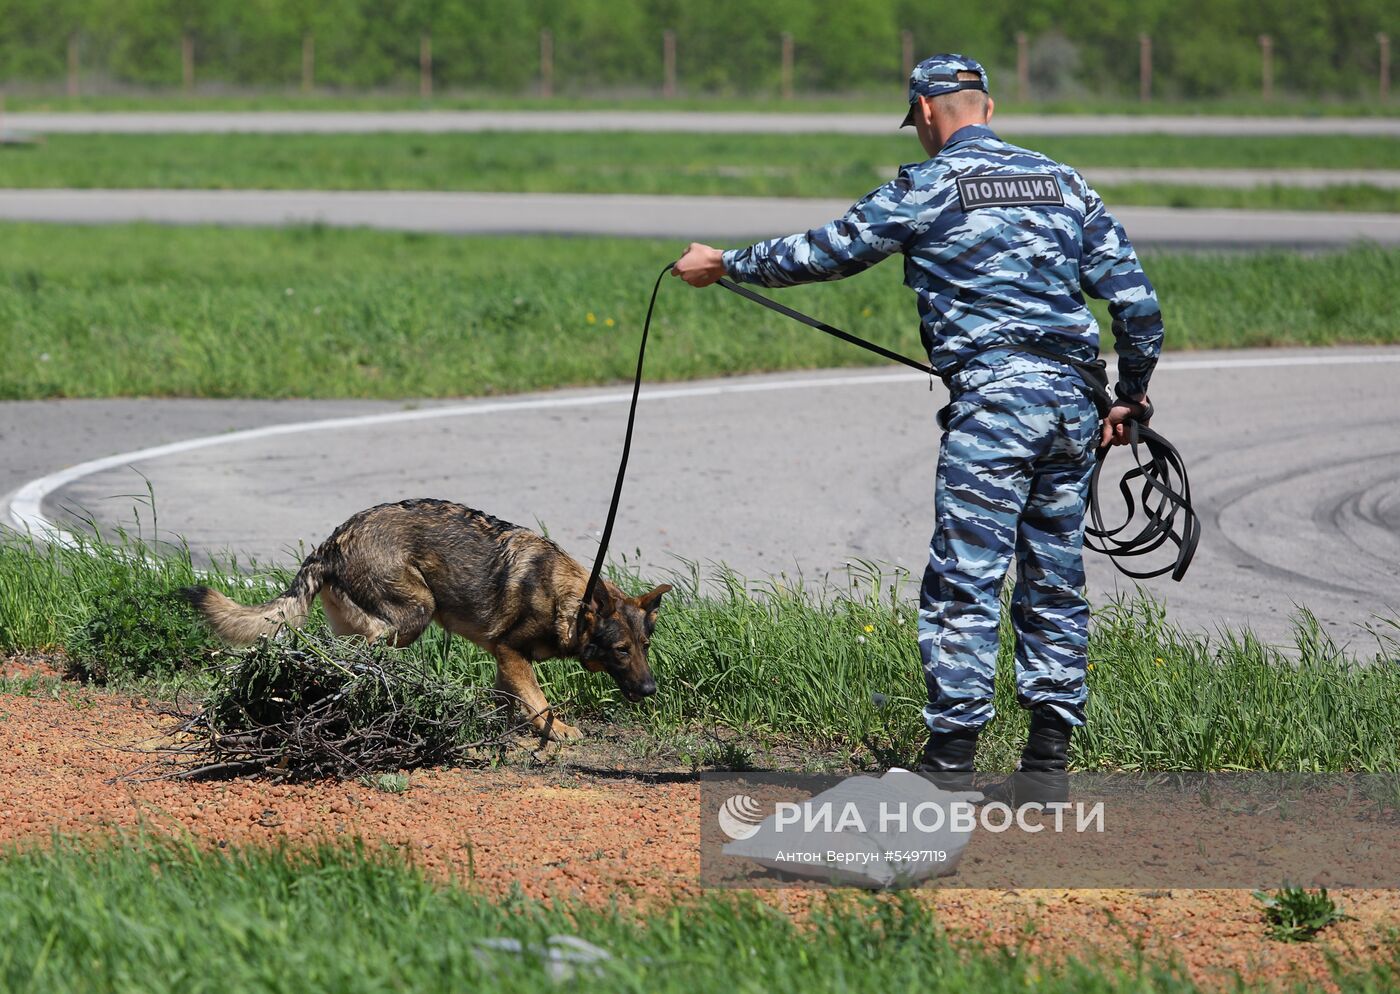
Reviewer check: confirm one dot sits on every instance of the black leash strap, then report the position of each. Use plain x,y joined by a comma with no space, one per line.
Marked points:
626,452
812,322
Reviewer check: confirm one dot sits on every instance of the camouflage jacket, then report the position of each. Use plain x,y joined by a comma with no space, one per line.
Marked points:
1000,244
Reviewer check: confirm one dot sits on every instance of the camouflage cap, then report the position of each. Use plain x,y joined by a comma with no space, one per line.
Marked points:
938,75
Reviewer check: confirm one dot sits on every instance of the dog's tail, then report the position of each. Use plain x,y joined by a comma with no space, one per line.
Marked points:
243,624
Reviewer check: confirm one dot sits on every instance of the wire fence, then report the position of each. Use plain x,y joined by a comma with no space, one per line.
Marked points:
1148,50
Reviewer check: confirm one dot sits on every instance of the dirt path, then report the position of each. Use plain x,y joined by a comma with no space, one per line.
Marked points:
596,838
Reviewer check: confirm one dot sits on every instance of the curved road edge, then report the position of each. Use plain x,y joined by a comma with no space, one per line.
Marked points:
1296,510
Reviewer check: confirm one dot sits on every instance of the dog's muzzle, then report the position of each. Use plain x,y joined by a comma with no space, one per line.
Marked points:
640,691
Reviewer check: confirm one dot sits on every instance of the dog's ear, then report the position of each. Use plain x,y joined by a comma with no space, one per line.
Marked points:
650,601
599,606
587,626
603,599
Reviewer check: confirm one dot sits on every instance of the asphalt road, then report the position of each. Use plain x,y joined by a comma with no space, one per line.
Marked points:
297,122
604,214
1294,455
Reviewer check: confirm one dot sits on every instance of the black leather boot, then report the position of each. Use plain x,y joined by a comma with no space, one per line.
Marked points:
947,760
1041,777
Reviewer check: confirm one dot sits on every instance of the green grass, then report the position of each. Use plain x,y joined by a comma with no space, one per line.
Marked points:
841,166
149,916
109,605
837,672
222,99
1296,914
389,783
317,312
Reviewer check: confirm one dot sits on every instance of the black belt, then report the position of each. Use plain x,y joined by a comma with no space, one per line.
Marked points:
1165,490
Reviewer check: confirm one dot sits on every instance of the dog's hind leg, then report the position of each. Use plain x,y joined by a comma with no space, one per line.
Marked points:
407,606
407,622
515,680
400,623
347,618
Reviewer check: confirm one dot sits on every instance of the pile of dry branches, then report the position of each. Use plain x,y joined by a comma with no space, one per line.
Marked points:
308,705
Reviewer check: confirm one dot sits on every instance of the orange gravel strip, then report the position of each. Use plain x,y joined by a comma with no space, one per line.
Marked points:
555,833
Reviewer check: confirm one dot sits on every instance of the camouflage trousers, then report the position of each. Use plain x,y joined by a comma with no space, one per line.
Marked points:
1013,476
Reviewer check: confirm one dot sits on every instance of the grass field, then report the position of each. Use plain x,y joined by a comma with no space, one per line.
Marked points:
782,669
154,916
224,99
318,312
841,166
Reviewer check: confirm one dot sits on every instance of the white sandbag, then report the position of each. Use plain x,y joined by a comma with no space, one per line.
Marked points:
893,831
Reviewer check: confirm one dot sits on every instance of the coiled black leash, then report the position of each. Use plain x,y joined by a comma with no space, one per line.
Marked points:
1166,489
1165,493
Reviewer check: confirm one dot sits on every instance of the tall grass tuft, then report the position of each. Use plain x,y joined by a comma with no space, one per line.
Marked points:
110,603
1165,700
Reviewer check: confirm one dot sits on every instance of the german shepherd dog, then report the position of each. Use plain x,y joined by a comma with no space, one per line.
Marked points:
389,571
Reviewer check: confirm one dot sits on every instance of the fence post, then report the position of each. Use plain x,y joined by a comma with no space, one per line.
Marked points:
187,61
73,64
1383,85
425,66
668,62
1023,66
906,44
1144,67
546,62
787,65
1266,55
308,62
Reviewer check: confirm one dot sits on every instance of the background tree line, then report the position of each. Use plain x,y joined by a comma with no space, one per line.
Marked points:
1202,48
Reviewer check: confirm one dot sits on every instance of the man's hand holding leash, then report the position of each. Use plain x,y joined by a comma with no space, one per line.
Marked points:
1115,425
701,265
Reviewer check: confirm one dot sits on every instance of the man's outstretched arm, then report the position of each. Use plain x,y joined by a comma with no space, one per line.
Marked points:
876,227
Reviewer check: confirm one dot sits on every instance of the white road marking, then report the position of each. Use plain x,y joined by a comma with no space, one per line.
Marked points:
25,505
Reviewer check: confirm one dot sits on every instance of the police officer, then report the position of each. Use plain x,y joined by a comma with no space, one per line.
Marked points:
1000,246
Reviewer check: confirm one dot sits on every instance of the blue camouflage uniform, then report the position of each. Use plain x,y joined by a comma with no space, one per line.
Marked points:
1000,246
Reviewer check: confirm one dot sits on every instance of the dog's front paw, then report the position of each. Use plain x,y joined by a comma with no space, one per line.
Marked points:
562,732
